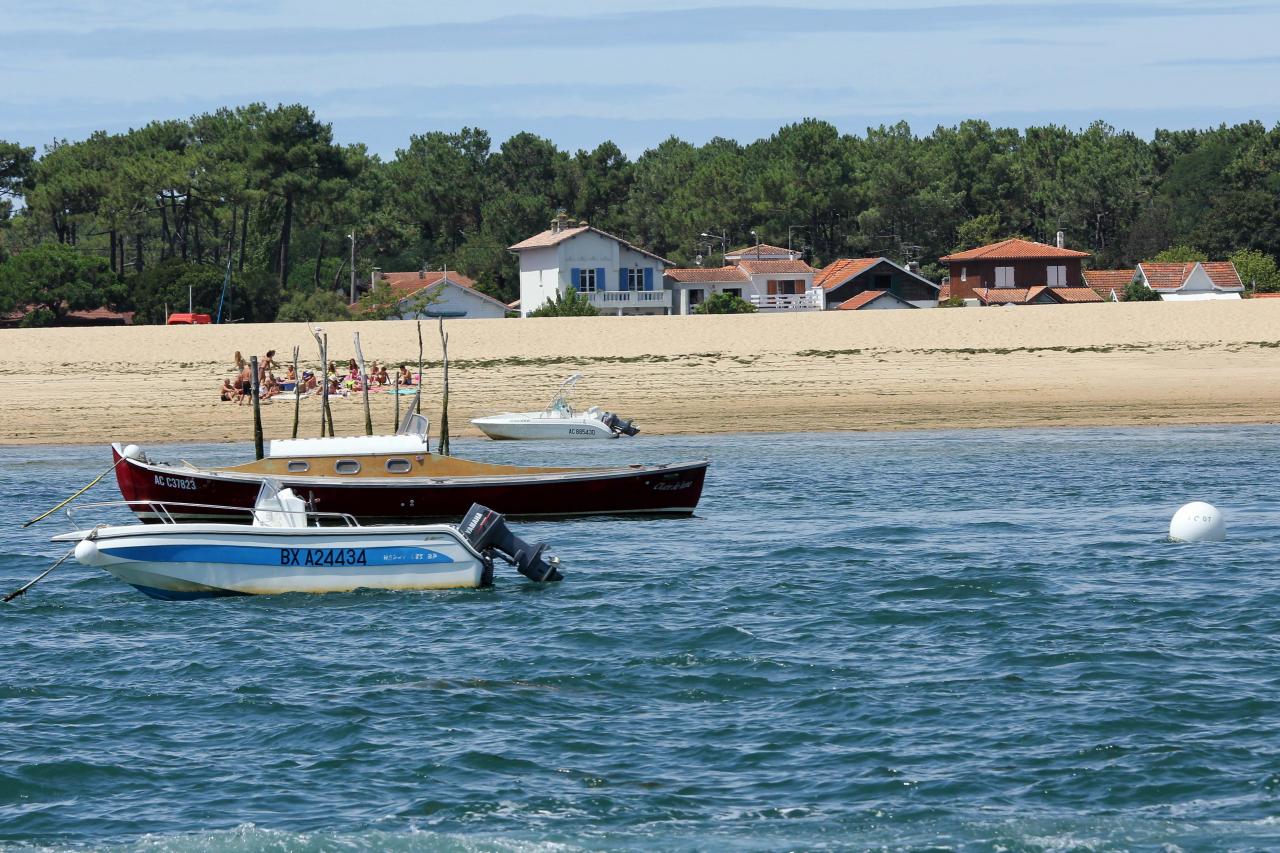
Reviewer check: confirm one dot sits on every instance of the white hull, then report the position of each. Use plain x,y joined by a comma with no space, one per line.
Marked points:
178,561
531,426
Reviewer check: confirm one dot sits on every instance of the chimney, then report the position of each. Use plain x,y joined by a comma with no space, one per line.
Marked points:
913,266
422,274
374,275
1062,240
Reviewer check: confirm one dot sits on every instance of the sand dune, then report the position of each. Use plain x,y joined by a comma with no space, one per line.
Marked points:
1142,363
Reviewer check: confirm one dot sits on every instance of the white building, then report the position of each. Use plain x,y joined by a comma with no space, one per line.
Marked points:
771,278
1194,281
616,276
429,294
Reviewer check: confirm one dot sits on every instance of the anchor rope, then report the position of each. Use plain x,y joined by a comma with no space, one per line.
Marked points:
92,483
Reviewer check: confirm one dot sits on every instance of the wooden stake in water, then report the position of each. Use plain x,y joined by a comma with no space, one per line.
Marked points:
364,384
397,424
418,398
444,400
297,392
257,409
322,342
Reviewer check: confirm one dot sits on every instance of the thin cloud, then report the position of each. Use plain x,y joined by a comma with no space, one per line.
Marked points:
723,25
1220,62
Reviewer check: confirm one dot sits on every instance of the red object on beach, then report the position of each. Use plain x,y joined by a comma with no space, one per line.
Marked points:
189,320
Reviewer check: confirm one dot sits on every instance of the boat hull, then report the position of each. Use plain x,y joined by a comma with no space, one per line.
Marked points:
647,490
536,427
187,561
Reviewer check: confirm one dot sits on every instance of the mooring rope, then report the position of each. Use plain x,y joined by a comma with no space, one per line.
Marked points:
92,483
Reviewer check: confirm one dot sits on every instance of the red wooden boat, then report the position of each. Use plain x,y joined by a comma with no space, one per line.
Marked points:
392,479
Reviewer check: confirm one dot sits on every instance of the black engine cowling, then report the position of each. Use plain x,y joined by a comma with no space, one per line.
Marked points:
487,531
621,426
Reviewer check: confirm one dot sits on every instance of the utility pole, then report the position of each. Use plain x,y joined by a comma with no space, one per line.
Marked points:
352,238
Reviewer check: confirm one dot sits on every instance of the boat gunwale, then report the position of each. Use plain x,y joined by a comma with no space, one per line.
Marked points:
237,474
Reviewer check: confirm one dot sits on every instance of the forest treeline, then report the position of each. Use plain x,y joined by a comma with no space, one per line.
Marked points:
132,220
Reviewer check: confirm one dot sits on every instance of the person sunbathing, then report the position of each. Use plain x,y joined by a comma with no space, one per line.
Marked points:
406,378
228,392
380,376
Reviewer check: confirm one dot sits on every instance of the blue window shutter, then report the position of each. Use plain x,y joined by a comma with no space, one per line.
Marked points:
600,283
648,278
574,278
622,278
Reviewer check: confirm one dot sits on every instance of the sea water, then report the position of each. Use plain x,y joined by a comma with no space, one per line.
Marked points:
956,640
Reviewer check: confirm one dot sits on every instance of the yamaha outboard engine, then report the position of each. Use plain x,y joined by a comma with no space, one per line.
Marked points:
619,425
487,530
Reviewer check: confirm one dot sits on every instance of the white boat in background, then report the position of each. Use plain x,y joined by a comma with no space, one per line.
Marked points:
288,548
557,421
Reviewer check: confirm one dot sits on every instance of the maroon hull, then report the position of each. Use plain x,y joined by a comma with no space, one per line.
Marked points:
654,489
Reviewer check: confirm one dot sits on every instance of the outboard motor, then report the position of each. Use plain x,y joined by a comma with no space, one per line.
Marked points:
487,530
619,425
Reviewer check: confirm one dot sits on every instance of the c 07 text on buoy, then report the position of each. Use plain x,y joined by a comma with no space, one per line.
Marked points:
1197,522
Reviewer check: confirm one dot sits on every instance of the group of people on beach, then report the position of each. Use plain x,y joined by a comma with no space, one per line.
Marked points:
339,385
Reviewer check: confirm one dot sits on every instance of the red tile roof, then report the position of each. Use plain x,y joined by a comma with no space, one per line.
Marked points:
1223,274
1105,281
763,250
551,237
1028,295
866,297
407,284
707,274
92,316
1001,295
944,292
762,267
838,272
1075,294
1162,276
1265,296
1013,248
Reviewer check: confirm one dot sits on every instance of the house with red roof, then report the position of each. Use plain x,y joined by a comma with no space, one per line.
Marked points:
1192,282
433,293
842,280
1019,272
756,274
615,275
91,317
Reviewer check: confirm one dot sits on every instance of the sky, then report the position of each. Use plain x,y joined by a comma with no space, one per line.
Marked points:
580,72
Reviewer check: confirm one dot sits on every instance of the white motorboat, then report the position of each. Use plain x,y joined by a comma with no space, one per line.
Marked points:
557,421
288,548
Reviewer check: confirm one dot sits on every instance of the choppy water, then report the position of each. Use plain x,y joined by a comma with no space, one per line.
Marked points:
909,641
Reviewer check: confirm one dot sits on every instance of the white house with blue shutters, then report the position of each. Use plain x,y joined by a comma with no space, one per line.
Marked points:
616,276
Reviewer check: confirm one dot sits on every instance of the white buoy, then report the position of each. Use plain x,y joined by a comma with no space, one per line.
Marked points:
133,451
1197,522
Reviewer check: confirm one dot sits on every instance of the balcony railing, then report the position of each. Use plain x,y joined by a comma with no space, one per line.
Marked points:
631,298
808,301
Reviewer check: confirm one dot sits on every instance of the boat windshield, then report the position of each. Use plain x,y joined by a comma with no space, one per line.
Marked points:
560,403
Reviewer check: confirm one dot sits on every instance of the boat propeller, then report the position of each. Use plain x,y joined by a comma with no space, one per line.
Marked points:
621,426
487,531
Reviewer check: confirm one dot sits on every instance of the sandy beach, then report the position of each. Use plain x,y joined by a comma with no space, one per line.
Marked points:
1109,364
